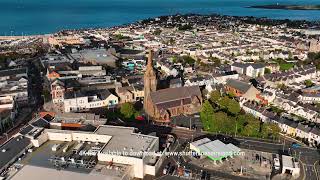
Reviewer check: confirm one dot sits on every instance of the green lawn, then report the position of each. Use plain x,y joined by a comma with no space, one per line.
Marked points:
286,66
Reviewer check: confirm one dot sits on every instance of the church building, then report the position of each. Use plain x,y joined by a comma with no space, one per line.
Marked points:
163,104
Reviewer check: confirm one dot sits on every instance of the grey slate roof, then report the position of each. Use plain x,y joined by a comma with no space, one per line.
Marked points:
304,128
171,94
13,72
239,85
316,131
254,65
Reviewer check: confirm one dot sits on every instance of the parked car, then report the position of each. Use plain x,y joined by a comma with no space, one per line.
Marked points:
295,145
166,168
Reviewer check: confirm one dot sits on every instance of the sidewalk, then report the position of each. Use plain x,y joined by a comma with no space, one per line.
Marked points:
297,141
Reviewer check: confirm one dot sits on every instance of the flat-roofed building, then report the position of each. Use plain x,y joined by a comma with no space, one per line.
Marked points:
289,165
115,145
214,150
11,150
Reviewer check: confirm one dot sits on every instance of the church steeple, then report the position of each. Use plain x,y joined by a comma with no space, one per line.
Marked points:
150,81
149,60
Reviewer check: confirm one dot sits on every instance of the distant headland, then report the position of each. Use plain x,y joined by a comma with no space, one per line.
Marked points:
288,7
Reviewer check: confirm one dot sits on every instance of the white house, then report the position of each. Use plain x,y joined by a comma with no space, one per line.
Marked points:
249,69
199,81
302,131
314,136
78,101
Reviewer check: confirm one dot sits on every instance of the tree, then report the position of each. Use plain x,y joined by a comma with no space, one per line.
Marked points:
308,83
46,95
189,60
252,126
157,32
233,107
224,101
281,86
215,96
222,123
267,71
206,115
172,41
241,122
185,27
270,130
127,110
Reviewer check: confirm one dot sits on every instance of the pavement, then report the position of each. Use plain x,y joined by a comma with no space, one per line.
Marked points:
309,156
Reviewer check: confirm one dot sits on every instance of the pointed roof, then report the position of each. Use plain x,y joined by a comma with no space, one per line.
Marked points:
149,71
239,85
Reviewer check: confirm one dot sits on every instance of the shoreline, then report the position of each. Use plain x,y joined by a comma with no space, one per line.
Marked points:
245,19
288,7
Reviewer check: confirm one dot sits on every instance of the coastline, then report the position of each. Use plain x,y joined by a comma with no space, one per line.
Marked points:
288,7
247,19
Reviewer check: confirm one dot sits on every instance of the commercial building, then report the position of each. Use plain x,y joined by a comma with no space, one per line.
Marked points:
290,166
214,150
11,150
108,146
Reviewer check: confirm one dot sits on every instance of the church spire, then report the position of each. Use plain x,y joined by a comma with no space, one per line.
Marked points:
150,82
149,59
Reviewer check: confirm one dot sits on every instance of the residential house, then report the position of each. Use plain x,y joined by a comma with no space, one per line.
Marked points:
258,111
310,97
303,131
125,94
314,136
295,75
13,88
288,127
81,101
131,93
176,82
249,69
274,67
242,89
199,81
222,77
167,68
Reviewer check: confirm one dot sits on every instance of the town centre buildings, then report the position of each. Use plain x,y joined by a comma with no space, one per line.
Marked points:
119,145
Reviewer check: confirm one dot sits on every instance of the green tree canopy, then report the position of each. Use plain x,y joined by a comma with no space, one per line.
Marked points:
188,60
127,110
233,107
215,96
270,130
308,83
267,71
206,115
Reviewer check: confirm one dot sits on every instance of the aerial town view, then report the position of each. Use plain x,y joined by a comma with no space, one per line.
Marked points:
195,90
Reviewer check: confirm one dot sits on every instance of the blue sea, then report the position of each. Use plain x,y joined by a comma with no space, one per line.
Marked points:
46,16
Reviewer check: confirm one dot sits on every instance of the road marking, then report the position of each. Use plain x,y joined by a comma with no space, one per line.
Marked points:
304,171
315,169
